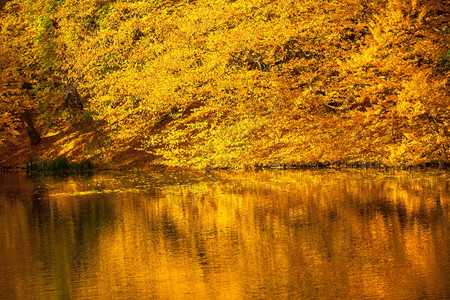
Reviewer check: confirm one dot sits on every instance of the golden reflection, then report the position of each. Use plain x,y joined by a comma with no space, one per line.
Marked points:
228,235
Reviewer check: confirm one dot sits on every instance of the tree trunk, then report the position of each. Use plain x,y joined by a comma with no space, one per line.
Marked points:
35,138
72,98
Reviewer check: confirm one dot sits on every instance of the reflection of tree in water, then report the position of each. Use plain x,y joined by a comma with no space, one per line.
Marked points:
40,206
67,230
171,233
387,209
256,232
424,215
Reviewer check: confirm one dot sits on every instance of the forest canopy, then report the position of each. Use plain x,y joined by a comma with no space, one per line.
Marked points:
231,83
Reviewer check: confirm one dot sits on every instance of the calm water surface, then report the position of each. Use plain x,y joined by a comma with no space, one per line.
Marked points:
360,234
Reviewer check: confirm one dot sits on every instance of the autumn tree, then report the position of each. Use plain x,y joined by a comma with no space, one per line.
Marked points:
234,83
16,97
33,69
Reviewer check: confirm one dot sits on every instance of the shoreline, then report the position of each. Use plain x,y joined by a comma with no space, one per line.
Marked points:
438,165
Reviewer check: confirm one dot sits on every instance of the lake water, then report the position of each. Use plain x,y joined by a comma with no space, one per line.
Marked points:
355,234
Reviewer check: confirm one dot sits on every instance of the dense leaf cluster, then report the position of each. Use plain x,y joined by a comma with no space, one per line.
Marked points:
219,83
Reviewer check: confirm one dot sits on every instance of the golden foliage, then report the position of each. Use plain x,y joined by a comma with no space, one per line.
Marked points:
233,83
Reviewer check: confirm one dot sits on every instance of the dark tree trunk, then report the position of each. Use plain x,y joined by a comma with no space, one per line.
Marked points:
35,138
72,98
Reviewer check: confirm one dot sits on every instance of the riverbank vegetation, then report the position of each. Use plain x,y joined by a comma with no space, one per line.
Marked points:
225,83
59,165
